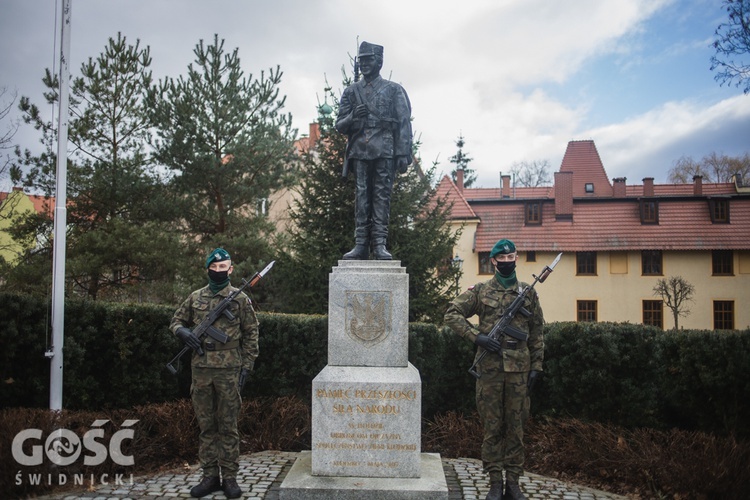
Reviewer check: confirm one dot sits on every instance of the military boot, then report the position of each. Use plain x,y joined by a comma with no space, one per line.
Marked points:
206,486
359,252
231,488
496,491
379,251
513,491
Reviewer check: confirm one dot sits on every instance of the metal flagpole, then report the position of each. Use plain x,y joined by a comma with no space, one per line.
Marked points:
58,266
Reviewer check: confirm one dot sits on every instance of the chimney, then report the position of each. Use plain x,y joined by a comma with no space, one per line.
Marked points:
506,186
698,185
314,134
619,187
564,195
460,180
648,186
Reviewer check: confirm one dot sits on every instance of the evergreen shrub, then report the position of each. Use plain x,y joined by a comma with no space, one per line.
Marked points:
705,380
600,371
630,375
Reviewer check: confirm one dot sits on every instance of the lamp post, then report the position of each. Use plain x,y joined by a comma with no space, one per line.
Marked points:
457,263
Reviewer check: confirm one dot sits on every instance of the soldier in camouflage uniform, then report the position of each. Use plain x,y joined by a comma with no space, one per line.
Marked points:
218,373
375,113
508,371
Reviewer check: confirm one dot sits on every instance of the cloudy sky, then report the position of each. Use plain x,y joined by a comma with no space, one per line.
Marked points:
517,78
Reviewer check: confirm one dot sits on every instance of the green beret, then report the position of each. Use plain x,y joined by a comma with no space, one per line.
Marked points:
217,255
503,246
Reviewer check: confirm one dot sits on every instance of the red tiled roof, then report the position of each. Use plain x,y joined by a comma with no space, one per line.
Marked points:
599,221
712,189
519,193
460,208
43,204
583,160
683,225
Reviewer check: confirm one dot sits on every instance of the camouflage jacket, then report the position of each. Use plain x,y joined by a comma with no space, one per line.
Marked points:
488,300
242,330
386,133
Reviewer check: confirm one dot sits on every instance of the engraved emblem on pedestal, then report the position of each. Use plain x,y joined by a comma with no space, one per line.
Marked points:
368,316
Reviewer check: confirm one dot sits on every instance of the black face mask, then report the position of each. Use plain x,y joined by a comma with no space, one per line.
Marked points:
218,276
506,268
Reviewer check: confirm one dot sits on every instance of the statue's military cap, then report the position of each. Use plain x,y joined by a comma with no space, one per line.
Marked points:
370,49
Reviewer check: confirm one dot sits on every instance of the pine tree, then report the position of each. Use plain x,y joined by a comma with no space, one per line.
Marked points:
117,235
462,163
227,145
322,228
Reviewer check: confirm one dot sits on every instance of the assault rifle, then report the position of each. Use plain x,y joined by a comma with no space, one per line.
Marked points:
222,309
503,325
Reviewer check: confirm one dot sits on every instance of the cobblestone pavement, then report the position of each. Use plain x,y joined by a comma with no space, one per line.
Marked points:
261,475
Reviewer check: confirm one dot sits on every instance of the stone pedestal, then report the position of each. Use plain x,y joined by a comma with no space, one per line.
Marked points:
366,404
366,422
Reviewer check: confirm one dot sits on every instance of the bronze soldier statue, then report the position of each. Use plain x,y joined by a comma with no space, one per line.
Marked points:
376,115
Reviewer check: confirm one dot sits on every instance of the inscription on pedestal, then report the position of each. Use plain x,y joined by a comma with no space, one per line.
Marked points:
368,425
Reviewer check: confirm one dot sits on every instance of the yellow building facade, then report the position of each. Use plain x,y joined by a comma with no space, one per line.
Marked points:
618,241
14,205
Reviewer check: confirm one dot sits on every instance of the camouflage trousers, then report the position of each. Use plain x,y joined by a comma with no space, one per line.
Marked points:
503,406
217,402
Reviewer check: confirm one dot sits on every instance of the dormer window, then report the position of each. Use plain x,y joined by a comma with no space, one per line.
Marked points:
719,211
589,187
533,211
649,212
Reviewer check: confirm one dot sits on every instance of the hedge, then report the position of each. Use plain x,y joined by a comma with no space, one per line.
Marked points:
115,356
630,375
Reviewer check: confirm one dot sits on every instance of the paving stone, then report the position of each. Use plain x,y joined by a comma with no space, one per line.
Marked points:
261,474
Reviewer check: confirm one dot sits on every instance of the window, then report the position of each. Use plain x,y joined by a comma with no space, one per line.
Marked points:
589,187
649,212
533,210
262,207
485,265
722,263
586,263
719,211
653,313
651,263
531,256
723,315
586,310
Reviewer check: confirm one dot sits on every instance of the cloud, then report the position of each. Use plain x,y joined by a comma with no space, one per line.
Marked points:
518,78
648,145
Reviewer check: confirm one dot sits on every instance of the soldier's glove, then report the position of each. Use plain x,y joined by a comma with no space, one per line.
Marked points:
534,375
189,339
488,343
244,374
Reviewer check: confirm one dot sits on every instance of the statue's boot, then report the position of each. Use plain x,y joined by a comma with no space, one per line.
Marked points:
359,252
379,251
